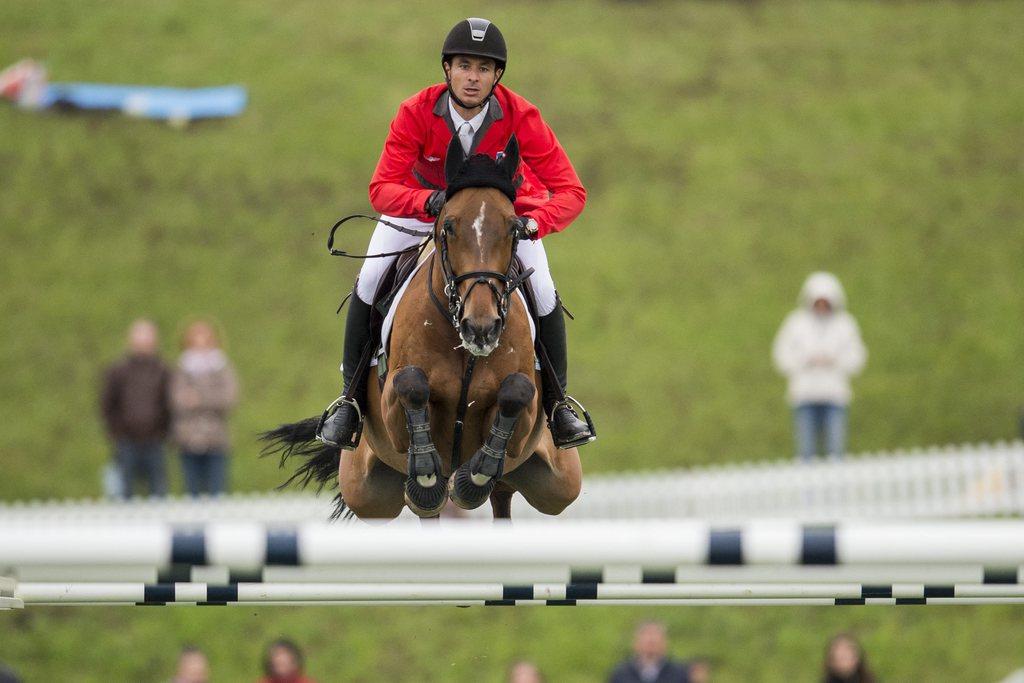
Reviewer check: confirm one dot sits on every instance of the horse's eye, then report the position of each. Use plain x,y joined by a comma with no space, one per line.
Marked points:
449,226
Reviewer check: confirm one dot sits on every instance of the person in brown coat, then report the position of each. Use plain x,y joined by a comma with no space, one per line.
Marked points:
203,392
136,412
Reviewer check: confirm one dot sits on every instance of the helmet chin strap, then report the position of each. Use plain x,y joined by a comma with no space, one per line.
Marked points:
451,92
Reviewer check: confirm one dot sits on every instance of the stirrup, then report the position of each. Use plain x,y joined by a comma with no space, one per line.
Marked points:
351,444
568,401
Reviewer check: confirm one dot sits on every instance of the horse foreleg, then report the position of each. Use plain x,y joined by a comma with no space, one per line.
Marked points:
426,488
475,479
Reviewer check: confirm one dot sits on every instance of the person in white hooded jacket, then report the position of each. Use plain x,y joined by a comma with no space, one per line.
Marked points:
818,348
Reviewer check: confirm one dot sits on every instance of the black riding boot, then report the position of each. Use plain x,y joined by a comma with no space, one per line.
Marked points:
567,429
339,428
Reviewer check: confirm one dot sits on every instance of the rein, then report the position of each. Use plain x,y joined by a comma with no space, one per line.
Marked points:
378,219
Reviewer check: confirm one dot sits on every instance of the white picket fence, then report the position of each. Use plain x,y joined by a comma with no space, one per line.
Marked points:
952,482
949,482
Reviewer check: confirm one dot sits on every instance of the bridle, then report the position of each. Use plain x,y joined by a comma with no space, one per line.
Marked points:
456,302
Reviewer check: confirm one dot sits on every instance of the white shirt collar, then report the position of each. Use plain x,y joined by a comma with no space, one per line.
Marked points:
475,122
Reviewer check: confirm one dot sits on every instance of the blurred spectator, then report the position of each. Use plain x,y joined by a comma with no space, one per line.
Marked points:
818,348
284,663
649,663
845,661
8,675
698,670
524,672
136,411
193,667
203,392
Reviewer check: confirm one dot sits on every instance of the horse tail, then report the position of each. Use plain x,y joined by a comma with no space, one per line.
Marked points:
319,464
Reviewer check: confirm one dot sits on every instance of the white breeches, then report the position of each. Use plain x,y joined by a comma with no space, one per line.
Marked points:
385,239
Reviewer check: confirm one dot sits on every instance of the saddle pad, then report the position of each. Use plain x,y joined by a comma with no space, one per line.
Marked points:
389,319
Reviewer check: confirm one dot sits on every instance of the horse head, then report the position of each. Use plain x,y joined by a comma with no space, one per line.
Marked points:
476,236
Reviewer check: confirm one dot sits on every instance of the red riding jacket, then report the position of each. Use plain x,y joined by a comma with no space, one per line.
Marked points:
412,163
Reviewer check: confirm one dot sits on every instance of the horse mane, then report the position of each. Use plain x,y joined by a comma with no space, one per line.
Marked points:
481,170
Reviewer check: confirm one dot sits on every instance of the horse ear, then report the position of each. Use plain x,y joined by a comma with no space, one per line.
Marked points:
454,159
509,163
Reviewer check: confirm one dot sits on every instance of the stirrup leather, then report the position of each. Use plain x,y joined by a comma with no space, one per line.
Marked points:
333,408
568,401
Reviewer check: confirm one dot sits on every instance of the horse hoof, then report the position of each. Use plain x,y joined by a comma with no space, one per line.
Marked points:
466,493
426,501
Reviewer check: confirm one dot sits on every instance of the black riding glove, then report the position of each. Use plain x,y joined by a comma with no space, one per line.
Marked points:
527,227
434,203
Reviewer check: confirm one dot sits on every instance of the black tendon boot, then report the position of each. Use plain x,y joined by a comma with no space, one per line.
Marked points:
341,423
567,429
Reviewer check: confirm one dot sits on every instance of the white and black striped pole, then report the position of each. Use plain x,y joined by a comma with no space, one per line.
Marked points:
649,544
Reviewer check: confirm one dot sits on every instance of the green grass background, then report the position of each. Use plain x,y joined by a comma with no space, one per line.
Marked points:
729,149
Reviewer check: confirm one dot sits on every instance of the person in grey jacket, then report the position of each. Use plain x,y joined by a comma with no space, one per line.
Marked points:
818,348
204,389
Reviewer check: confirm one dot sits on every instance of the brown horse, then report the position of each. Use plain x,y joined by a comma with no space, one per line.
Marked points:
459,320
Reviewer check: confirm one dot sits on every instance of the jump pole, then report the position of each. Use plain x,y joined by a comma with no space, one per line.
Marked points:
249,547
522,574
79,593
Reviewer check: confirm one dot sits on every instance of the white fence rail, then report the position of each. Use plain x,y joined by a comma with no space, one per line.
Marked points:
639,562
952,482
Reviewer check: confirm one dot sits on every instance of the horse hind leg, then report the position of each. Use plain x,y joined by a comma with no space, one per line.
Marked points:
501,501
426,488
473,482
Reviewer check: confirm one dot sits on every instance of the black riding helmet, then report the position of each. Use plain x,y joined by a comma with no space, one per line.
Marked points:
477,38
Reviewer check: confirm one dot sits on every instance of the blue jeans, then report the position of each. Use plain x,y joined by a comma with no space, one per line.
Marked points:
141,462
205,472
815,420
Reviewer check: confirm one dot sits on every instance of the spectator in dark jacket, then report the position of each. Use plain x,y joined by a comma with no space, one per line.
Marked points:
845,661
136,411
8,675
650,663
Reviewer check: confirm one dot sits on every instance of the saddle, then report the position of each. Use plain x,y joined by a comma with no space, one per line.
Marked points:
393,279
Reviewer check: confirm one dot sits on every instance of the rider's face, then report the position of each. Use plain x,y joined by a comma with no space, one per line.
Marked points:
472,78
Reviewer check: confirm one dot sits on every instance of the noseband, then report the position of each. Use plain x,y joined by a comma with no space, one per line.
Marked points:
456,302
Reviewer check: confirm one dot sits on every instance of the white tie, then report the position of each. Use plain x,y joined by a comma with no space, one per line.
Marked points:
466,136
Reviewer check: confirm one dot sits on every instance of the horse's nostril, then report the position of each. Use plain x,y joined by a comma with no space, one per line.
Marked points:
480,334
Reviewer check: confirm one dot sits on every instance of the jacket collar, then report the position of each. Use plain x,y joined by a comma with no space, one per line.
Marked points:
494,113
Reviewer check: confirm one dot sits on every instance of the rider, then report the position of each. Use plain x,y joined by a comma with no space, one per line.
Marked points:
408,189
